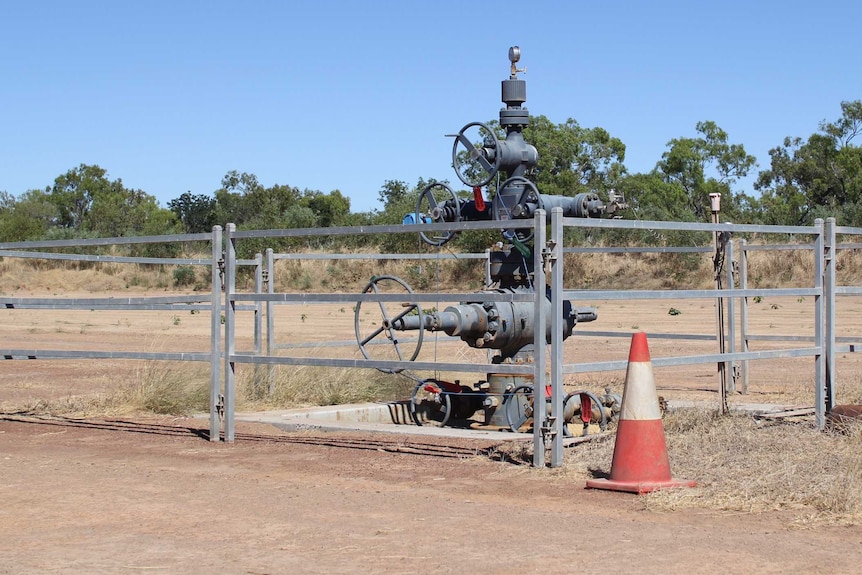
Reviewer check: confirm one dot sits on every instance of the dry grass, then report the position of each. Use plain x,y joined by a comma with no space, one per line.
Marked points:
58,277
598,271
172,388
305,386
748,466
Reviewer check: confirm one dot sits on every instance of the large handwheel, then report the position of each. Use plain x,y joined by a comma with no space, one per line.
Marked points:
430,405
437,204
381,330
518,407
476,163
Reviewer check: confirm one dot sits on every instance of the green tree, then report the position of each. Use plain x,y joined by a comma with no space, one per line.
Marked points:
574,159
74,192
232,198
88,202
26,218
196,212
705,165
817,177
393,192
329,209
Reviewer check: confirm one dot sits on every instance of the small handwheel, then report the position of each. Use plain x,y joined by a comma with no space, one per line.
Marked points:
430,405
444,206
503,212
573,401
476,163
382,330
530,194
518,406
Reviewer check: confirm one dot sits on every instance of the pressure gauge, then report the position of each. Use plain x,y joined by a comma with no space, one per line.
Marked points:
514,54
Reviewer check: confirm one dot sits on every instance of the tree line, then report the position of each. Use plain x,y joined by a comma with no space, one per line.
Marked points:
806,178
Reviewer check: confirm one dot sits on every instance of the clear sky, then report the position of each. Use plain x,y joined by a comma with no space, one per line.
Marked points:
341,94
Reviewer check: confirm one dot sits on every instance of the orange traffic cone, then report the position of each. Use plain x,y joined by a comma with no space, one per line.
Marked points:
640,463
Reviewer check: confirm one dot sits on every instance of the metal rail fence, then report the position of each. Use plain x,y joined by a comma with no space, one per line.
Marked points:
211,302
549,266
548,263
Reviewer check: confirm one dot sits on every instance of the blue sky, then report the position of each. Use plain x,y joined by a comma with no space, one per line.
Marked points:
325,95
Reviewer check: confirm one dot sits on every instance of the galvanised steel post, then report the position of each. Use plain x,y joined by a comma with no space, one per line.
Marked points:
229,329
730,319
556,262
830,253
743,314
270,320
215,334
257,379
539,341
819,340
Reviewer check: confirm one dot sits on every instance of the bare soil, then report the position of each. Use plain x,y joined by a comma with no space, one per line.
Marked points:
153,494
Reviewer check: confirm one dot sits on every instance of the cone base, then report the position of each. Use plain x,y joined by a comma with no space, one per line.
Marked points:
638,486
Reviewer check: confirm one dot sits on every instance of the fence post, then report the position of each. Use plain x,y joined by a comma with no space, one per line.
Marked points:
556,261
743,314
829,255
270,320
215,334
819,340
539,340
229,328
257,378
730,319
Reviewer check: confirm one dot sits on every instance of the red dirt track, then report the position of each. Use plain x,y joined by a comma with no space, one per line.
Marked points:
154,495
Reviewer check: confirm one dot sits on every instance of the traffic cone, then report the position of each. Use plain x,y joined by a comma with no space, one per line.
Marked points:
640,463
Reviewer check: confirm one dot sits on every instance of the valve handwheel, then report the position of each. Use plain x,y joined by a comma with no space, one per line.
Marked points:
430,404
518,407
502,212
575,400
472,163
381,329
437,204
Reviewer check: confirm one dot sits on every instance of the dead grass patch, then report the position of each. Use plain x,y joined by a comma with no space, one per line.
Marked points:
747,466
307,386
168,388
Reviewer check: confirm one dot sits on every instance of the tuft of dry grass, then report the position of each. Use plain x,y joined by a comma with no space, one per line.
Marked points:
168,388
305,386
747,466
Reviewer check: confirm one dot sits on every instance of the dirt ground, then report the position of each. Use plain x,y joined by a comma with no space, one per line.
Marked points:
152,494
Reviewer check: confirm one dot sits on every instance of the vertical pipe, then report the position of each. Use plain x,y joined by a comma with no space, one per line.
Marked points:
539,341
715,201
557,336
730,319
229,325
819,359
257,379
743,314
215,334
830,255
270,320
487,268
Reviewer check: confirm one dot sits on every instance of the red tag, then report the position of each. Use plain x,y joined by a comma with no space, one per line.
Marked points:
586,408
477,196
